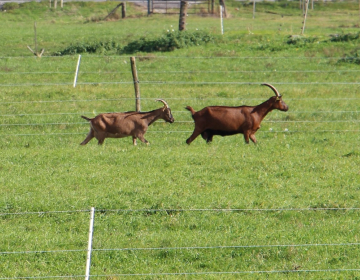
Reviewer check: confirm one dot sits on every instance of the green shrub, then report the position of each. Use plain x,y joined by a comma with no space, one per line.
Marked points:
300,40
90,47
353,57
345,37
168,42
10,6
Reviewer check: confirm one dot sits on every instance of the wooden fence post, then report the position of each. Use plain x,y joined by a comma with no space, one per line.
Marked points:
150,6
305,15
35,40
123,10
254,1
182,19
136,84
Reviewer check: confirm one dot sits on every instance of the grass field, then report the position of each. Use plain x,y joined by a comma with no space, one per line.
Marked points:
286,208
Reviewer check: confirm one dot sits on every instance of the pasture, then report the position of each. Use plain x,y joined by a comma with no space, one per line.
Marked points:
286,208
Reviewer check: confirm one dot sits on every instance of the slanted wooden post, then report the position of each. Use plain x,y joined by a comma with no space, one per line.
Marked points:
123,10
305,14
182,19
136,84
36,52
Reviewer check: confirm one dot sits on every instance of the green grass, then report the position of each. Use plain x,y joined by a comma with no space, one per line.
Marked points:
150,196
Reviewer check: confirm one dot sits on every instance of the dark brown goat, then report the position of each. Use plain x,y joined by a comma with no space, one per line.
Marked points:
119,125
223,120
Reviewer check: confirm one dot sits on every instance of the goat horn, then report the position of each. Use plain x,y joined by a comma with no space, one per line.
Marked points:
163,101
273,88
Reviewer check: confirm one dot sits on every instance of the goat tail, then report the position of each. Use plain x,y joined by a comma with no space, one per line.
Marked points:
86,118
190,109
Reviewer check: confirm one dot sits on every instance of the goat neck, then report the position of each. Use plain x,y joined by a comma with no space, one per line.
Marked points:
153,116
264,108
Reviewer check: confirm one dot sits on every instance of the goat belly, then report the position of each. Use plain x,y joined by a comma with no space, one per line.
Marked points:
222,132
116,135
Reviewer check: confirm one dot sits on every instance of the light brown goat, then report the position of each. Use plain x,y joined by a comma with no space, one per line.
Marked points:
223,120
119,125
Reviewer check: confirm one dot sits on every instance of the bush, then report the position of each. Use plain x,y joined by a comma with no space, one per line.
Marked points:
300,40
345,37
10,6
92,47
354,57
168,42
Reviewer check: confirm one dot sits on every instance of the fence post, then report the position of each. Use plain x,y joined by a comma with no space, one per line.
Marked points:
88,258
183,10
77,70
221,20
222,3
254,1
305,14
123,10
35,41
149,7
136,84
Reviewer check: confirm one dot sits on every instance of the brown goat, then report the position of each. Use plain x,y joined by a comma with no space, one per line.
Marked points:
223,120
119,125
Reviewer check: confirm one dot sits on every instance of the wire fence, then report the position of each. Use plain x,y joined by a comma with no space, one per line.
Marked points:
12,119
43,214
169,78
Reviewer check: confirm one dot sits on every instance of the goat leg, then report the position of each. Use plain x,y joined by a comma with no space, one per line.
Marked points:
101,138
195,134
253,138
142,139
246,136
88,137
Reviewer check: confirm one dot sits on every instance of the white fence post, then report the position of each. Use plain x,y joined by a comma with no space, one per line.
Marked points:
221,20
77,70
88,258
